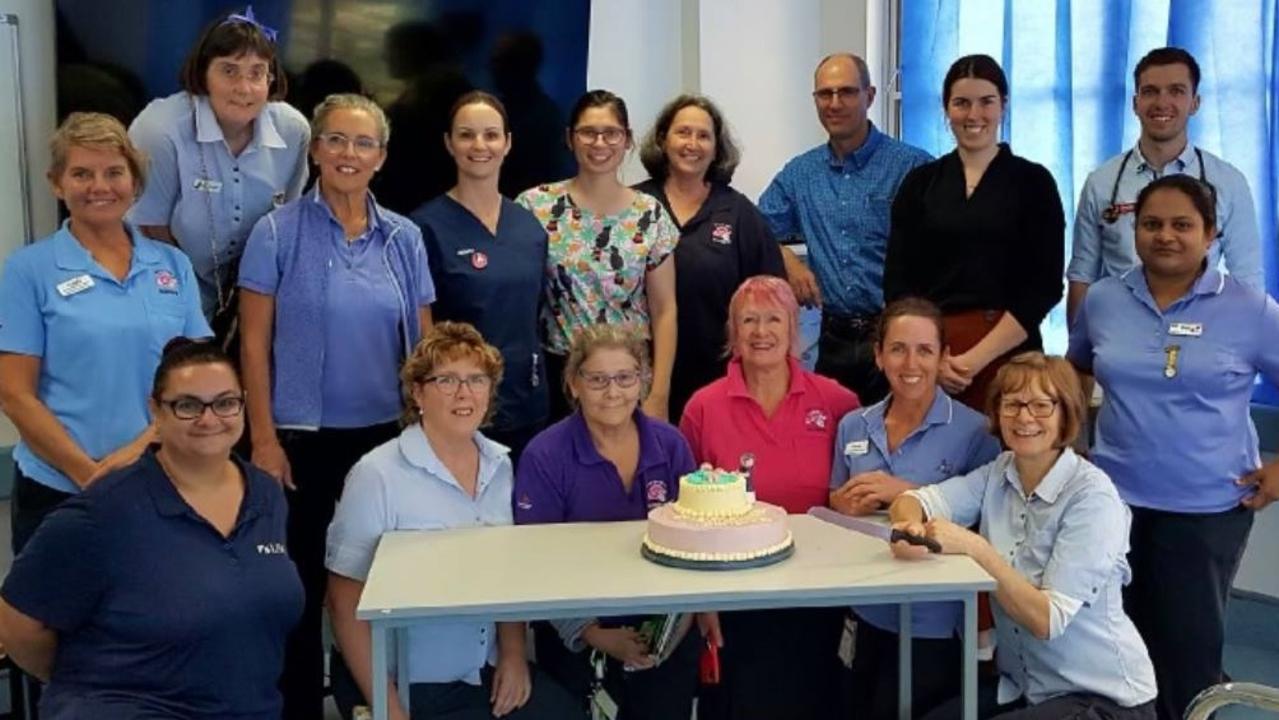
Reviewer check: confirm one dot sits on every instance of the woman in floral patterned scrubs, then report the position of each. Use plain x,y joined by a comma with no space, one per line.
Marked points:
609,250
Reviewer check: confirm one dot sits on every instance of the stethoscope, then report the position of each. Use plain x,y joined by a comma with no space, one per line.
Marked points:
1113,211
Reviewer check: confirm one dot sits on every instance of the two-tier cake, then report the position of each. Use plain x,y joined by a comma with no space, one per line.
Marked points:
717,524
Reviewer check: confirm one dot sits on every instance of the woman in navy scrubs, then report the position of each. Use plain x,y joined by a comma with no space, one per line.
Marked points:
690,157
1177,345
916,436
164,589
223,152
488,258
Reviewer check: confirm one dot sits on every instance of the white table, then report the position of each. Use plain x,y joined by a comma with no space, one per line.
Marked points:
540,572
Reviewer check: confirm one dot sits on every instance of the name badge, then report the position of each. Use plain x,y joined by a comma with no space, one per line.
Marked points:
857,447
75,285
1186,329
206,185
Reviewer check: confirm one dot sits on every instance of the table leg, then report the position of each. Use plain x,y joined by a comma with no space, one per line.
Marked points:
904,680
401,638
381,710
970,657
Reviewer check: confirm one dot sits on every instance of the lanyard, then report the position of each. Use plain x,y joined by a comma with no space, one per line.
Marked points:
1112,212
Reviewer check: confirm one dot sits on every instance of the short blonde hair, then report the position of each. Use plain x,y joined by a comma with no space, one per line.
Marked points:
1050,373
95,130
590,339
350,101
444,342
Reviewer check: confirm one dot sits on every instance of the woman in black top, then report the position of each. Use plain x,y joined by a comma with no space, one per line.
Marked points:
690,157
981,233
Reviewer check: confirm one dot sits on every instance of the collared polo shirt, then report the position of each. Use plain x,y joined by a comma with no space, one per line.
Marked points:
493,281
840,208
725,242
1177,443
208,198
158,614
952,440
1105,249
792,448
402,485
563,478
99,339
1069,538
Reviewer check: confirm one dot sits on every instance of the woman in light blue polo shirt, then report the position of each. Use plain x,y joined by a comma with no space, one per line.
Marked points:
916,436
440,473
1177,346
1053,534
336,292
84,314
222,152
488,262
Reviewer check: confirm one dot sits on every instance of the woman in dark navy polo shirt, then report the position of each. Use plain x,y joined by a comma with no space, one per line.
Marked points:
487,257
608,461
164,589
690,157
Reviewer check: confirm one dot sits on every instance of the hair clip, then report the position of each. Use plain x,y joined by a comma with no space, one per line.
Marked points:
248,18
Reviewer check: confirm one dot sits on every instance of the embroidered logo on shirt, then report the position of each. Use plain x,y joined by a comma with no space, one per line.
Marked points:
655,493
816,419
945,469
722,233
479,260
524,503
166,281
272,549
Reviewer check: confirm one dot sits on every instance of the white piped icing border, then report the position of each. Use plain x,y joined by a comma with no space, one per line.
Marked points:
719,557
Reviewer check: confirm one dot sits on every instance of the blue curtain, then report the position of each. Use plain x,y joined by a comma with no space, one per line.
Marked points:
1069,66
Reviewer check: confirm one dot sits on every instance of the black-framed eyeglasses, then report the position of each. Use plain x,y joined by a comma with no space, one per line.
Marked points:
1039,408
187,407
601,380
450,384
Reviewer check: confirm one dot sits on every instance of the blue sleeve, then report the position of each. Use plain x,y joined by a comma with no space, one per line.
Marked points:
839,471
21,322
960,498
362,515
777,206
1091,541
196,326
62,574
160,194
1240,241
260,263
1079,348
1085,247
426,289
1267,353
538,496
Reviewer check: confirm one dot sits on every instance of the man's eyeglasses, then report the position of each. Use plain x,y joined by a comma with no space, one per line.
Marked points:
1037,408
187,407
335,143
610,135
601,380
450,384
828,95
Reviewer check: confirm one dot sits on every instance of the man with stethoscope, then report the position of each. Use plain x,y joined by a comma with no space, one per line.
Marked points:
1166,95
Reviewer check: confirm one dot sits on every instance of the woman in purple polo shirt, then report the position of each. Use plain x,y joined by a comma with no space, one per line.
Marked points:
336,292
608,461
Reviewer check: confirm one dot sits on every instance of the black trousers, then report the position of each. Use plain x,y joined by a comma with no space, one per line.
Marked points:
935,676
846,353
661,693
320,460
1075,706
777,664
1183,567
30,505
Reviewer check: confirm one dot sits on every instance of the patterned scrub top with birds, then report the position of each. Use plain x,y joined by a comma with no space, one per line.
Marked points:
596,264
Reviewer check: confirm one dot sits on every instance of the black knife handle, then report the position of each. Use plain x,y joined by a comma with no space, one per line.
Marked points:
932,545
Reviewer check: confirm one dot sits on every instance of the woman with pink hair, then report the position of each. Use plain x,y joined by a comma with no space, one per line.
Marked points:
768,410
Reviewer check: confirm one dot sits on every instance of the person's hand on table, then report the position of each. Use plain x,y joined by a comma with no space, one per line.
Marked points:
905,550
622,644
954,539
870,491
512,684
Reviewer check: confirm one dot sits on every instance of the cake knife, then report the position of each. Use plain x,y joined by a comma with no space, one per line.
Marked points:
873,529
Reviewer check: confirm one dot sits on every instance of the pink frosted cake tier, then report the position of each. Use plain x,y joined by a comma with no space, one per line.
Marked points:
758,533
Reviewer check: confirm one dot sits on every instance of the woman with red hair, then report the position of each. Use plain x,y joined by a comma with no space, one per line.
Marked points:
774,663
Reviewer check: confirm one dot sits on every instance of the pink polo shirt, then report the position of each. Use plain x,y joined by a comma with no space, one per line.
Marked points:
793,449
